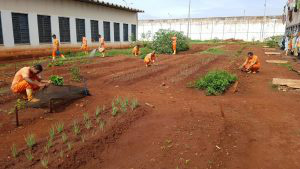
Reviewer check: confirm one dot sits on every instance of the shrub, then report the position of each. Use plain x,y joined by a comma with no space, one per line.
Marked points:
162,42
215,82
273,41
57,80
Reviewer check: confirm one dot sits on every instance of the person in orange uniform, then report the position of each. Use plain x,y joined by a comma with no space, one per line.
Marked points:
26,81
174,44
136,50
150,58
55,51
102,46
84,45
251,64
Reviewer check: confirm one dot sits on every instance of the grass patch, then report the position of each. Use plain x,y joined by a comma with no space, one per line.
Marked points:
59,127
287,65
127,52
29,156
214,51
215,82
75,74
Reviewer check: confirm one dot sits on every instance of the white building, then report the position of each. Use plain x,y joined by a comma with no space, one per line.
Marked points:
30,23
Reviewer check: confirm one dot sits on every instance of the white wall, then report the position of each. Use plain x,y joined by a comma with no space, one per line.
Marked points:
245,28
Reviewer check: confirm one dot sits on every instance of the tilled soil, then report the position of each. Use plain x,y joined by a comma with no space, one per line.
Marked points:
184,129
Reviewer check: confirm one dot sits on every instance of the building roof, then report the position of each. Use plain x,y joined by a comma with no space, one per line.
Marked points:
111,5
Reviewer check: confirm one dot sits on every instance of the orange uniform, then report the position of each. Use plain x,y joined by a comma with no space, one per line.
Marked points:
136,51
102,42
55,51
174,43
254,61
149,58
84,46
19,85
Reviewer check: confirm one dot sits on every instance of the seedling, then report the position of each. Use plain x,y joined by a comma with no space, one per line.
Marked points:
29,156
88,124
86,117
102,124
30,140
114,111
46,149
57,80
134,104
126,101
64,137
76,128
49,143
52,133
83,138
61,154
124,106
20,104
118,101
45,162
75,72
14,151
99,111
70,146
59,127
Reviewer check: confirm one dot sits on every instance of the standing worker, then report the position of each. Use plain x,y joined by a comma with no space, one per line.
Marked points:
84,45
26,81
295,51
136,50
150,58
251,64
286,45
174,44
102,46
55,51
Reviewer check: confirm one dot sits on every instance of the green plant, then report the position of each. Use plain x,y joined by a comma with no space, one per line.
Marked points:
52,133
215,82
162,42
29,156
102,124
115,111
56,63
64,137
99,110
76,128
75,73
59,127
49,143
70,146
20,104
14,151
57,80
30,140
88,124
45,162
214,51
273,41
86,117
46,149
124,106
134,104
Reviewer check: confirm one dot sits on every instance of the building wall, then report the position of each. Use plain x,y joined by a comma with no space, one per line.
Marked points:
61,8
245,28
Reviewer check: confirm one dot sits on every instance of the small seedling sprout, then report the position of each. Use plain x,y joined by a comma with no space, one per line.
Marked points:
30,140
134,104
86,117
59,127
61,154
98,111
102,124
64,137
52,133
70,146
88,124
114,111
126,100
83,138
123,107
29,156
76,128
49,143
14,151
46,149
45,162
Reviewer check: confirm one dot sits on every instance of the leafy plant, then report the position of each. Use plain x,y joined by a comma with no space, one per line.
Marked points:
45,162
215,82
57,80
75,73
29,156
30,140
88,124
64,137
14,151
52,133
162,42
76,128
59,127
134,104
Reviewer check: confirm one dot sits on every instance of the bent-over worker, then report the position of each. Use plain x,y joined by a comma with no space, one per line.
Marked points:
101,45
251,64
136,50
150,58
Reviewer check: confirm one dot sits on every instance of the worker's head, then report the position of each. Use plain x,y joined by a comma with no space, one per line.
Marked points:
36,69
153,53
54,36
138,45
250,54
99,36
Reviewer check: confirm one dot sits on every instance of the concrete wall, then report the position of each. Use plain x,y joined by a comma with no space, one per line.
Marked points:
245,28
61,8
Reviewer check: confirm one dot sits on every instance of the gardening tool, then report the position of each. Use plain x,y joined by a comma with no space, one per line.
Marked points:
93,53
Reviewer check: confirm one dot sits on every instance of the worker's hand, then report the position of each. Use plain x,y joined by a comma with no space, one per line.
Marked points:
42,85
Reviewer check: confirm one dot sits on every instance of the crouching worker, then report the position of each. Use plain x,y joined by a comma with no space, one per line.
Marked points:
251,64
26,81
150,58
136,50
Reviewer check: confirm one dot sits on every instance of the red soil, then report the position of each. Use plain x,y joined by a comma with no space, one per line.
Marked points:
185,129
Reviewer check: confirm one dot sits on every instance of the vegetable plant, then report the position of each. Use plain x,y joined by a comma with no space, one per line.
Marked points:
59,127
76,128
30,140
57,80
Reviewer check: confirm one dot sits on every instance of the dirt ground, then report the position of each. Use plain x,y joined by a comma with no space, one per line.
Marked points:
183,130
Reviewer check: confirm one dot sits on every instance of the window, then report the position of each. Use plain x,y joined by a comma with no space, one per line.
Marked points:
80,29
133,32
106,27
44,25
1,34
20,28
125,32
94,31
64,29
117,32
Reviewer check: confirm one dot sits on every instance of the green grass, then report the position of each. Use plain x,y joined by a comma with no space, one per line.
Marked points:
215,82
76,128
64,137
214,51
287,65
30,140
29,156
14,151
127,52
59,127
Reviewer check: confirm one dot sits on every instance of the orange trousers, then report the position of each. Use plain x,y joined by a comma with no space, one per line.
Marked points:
22,86
174,47
56,53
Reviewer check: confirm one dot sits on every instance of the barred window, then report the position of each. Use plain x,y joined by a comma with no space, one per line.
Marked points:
106,27
94,31
117,32
44,25
133,32
64,29
125,32
80,29
20,28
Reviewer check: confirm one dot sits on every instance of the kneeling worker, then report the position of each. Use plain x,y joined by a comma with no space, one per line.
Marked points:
27,80
150,58
251,64
136,50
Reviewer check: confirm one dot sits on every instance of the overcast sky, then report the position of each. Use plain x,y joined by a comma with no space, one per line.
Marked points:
165,9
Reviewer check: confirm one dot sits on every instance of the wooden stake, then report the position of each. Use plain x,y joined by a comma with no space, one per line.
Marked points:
17,116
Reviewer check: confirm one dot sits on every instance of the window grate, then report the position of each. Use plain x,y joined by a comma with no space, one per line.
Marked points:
125,32
94,31
106,27
117,32
64,29
80,29
1,34
20,28
133,32
44,25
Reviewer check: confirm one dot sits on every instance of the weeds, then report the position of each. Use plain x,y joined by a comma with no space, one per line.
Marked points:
52,133
29,156
134,104
59,127
45,162
30,140
76,128
75,73
14,151
64,137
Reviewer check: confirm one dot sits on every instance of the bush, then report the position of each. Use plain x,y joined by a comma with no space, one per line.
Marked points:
215,82
273,41
162,42
57,80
